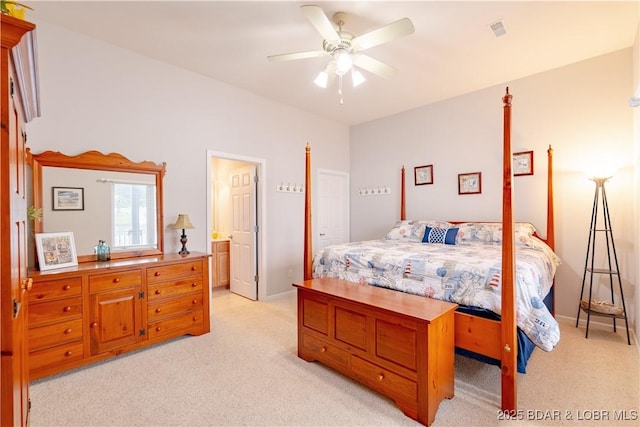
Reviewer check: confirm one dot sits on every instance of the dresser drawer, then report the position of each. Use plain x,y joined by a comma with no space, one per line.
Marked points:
55,334
385,381
174,271
109,281
180,287
178,325
325,352
55,356
54,311
174,306
54,289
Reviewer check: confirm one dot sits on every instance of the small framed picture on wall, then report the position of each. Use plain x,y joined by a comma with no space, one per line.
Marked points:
67,198
423,174
523,163
470,183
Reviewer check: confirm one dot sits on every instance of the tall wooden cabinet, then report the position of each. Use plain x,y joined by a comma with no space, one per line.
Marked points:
19,103
83,314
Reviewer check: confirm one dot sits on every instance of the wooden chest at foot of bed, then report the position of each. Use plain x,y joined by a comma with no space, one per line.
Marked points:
397,344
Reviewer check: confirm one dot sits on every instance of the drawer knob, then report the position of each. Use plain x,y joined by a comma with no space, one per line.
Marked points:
158,329
158,292
194,284
68,353
116,280
158,310
380,376
193,268
67,309
157,273
94,324
67,331
323,349
195,301
195,318
66,287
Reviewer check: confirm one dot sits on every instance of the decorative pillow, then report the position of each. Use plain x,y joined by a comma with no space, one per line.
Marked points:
412,230
490,233
440,235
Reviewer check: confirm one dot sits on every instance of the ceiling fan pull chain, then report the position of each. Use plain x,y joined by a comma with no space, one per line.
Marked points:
340,89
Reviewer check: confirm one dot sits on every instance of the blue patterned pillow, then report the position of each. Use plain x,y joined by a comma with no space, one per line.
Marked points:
440,235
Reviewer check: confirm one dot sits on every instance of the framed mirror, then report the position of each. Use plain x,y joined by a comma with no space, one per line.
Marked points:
100,197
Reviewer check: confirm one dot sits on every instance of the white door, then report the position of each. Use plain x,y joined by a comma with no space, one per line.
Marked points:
243,232
333,208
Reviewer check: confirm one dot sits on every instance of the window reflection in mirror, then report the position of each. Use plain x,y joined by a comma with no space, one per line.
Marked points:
134,224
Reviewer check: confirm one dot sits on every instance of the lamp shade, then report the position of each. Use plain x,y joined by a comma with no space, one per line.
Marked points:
183,222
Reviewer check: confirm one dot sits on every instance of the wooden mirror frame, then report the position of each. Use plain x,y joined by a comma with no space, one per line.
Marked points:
95,160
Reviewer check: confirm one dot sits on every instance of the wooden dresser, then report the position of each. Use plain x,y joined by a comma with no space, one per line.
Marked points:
83,314
398,344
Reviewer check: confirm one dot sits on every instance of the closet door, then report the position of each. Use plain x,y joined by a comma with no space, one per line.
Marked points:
14,377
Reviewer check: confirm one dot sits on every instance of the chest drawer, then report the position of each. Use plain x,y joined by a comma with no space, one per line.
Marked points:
55,356
54,289
55,311
174,306
55,334
174,271
180,287
191,322
388,383
120,279
325,352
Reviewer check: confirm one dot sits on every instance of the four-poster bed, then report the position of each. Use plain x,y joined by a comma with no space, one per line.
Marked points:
493,339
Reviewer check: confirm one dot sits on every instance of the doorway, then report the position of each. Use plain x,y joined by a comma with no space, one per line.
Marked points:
235,212
333,208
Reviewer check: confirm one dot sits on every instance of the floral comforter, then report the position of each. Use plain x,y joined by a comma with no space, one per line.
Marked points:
464,274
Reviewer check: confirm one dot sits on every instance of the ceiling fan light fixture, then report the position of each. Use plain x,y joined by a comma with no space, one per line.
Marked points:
357,78
322,79
343,61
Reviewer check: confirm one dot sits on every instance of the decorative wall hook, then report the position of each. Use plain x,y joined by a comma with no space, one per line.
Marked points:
290,188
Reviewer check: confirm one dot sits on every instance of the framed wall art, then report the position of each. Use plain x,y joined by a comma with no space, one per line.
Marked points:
56,250
470,183
523,163
67,198
423,174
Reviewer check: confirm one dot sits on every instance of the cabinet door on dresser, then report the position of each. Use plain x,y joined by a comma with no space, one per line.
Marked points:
55,324
176,293
115,310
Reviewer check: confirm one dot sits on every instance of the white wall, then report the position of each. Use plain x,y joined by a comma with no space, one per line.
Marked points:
99,97
581,110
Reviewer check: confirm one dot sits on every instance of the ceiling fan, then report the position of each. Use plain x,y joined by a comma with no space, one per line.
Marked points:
345,49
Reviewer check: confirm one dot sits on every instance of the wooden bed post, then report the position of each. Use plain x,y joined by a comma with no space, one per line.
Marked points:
308,254
551,231
403,210
509,343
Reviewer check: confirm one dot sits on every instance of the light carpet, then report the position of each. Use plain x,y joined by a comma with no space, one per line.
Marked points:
246,372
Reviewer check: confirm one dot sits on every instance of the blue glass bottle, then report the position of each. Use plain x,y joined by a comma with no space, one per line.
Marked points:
103,251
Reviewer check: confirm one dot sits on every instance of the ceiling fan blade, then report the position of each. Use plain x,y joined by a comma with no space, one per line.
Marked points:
299,55
384,34
373,65
318,19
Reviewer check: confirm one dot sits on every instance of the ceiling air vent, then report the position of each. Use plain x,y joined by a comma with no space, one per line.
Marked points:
498,28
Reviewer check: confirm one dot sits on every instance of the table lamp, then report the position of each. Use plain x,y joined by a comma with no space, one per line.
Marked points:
183,223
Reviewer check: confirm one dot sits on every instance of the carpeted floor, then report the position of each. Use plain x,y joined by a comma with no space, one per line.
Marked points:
246,372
